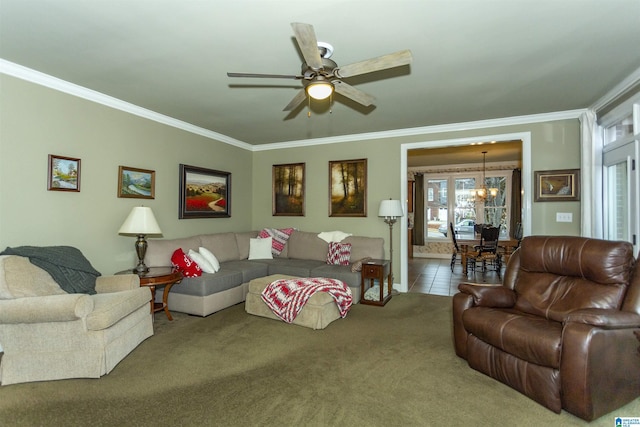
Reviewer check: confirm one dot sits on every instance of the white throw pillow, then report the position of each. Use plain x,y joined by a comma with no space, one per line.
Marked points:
209,256
260,248
333,236
202,263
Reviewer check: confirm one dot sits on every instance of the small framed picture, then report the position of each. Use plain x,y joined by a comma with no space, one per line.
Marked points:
557,185
288,190
136,183
64,174
204,193
348,188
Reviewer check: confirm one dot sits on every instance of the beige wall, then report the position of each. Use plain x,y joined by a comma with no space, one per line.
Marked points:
37,121
554,145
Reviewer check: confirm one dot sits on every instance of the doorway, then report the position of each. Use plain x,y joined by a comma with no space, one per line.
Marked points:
463,144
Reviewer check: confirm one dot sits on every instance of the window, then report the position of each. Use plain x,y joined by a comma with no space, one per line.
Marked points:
462,208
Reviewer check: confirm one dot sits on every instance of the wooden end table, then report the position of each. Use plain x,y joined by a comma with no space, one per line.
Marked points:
373,270
158,276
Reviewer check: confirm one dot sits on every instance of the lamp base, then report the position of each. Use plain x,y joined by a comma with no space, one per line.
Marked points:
140,269
141,250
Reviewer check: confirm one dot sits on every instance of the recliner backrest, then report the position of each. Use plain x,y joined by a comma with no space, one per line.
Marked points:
560,274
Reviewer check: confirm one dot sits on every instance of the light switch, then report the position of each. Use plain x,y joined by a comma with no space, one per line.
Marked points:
564,217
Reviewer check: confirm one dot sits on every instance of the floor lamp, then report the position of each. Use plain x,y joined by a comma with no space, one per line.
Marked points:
391,210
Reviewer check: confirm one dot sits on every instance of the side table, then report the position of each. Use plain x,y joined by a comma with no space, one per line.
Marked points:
158,276
372,271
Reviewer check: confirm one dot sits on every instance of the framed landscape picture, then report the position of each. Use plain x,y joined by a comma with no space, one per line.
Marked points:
204,193
63,174
288,190
348,188
136,183
557,185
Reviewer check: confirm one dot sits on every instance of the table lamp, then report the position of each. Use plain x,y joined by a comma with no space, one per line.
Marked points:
391,210
140,222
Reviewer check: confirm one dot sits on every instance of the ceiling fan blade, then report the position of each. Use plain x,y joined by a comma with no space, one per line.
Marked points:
306,37
352,93
383,62
297,100
266,76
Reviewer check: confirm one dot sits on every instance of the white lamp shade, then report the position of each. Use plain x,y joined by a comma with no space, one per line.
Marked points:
320,90
140,221
390,208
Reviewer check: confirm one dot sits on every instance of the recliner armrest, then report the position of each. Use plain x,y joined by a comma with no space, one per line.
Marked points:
489,295
45,309
606,319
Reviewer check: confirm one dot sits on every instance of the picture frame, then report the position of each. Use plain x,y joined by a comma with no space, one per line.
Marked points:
288,187
557,185
63,173
204,193
136,183
348,188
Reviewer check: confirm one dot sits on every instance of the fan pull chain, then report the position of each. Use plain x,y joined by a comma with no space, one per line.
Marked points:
309,107
331,103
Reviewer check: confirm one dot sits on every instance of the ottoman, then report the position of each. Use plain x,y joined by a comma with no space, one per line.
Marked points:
320,310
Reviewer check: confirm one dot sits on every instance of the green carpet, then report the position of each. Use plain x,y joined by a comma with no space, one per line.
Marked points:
380,366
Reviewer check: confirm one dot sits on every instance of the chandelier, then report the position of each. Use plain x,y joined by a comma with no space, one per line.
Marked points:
483,193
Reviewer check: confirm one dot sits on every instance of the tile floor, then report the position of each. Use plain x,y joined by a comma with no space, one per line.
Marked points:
434,276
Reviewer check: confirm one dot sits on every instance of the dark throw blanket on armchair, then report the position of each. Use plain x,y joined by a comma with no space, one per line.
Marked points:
66,264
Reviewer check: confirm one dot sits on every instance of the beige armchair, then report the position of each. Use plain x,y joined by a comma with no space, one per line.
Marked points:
48,334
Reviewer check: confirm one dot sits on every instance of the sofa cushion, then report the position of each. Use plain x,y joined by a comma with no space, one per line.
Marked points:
279,238
210,257
202,262
293,267
159,251
305,245
339,253
362,247
184,264
19,278
242,240
209,284
249,269
260,248
340,272
530,338
223,245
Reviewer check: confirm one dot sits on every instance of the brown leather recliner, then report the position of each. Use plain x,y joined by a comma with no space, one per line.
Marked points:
560,329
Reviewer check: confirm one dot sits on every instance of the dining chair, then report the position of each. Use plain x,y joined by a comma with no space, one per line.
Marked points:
486,253
456,248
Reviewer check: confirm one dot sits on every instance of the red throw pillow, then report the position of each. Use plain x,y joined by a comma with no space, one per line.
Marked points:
339,253
184,264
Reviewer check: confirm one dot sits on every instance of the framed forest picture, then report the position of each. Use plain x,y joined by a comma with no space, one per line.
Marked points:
348,188
288,190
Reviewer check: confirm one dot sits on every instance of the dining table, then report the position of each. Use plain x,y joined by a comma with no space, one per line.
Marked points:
506,246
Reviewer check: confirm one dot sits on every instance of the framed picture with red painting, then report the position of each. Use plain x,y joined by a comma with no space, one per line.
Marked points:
204,193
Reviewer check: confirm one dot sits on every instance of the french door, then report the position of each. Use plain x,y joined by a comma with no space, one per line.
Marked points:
621,200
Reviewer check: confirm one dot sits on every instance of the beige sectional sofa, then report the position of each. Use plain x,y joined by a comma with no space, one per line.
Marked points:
304,255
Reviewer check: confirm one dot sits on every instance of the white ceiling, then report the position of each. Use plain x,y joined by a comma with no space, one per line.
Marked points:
473,59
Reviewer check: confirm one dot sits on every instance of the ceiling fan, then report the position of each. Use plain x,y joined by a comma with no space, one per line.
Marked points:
321,76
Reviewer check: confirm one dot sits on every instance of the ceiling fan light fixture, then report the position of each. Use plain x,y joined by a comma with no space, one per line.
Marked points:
320,89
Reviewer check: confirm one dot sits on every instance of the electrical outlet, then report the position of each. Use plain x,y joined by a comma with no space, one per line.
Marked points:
564,217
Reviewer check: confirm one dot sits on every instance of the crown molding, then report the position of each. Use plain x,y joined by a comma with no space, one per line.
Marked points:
33,76
42,79
426,130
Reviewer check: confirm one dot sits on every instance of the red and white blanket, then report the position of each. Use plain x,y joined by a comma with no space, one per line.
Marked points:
286,297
